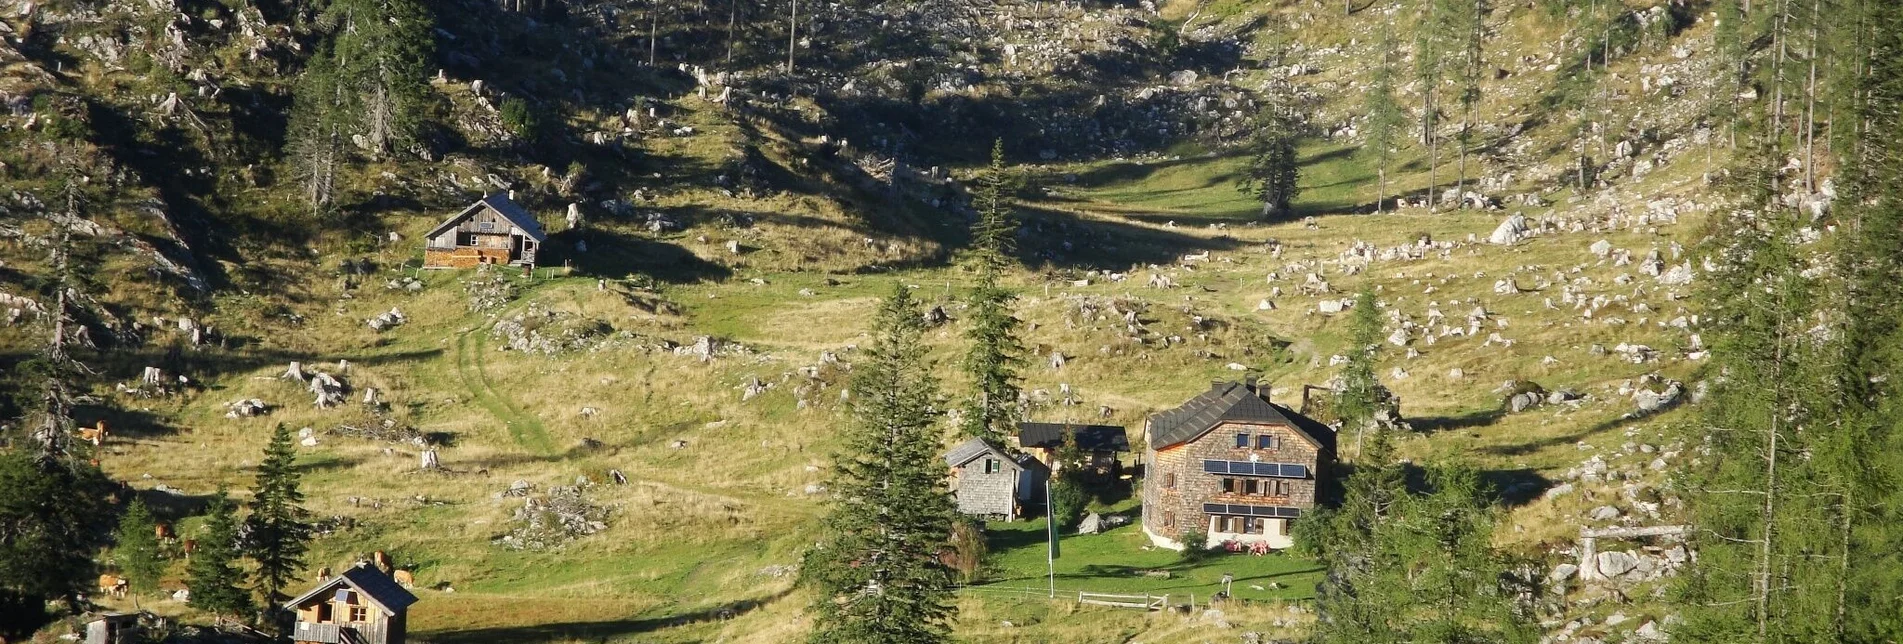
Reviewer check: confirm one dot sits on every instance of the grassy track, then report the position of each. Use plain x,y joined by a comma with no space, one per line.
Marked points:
526,429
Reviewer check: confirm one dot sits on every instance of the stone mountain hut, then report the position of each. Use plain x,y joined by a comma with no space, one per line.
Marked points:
360,606
1233,465
494,230
991,483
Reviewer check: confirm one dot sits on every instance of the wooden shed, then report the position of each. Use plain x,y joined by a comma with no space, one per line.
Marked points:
360,606
495,230
112,628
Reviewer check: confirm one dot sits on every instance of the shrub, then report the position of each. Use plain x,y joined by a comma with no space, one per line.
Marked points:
1195,545
1067,503
519,118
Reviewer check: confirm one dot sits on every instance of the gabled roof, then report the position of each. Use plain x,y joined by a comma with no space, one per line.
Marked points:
507,208
1231,402
379,588
1090,438
970,450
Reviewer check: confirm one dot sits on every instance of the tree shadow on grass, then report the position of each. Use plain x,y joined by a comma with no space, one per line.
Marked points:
1434,424
602,630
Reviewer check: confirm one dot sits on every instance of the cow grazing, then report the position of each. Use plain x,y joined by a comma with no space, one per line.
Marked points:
188,546
382,561
405,579
164,532
95,435
114,586
323,573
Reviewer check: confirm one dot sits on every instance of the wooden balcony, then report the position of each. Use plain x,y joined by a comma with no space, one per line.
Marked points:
326,634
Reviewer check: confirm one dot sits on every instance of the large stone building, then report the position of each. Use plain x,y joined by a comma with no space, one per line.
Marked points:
1233,465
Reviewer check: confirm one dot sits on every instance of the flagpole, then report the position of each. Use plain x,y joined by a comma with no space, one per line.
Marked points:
1050,534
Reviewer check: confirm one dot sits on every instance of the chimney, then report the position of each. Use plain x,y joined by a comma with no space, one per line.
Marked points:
511,195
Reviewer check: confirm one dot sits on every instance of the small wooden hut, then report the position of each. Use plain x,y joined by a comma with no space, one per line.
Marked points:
360,606
495,230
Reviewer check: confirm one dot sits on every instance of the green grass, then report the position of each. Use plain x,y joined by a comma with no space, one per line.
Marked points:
1116,561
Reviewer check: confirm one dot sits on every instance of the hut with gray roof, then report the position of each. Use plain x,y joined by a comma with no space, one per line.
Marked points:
991,483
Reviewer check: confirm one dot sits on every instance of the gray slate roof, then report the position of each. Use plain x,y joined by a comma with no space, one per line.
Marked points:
970,450
1227,402
1090,438
374,585
503,205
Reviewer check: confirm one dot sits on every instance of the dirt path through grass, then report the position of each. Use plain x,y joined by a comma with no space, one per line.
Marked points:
525,428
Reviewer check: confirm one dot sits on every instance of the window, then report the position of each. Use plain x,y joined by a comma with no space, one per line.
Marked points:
1281,488
1242,441
1169,519
359,614
486,226
1268,441
1251,487
1169,479
1229,486
992,466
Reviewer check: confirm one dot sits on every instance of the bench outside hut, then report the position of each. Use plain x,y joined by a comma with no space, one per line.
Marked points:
360,606
495,230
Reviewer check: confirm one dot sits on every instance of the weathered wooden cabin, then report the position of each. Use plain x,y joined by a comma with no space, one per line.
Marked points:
1100,444
495,230
360,606
1233,465
991,483
112,628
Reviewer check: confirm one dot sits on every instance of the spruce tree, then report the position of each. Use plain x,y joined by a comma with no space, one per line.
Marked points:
136,548
878,572
278,532
383,50
995,354
213,574
1360,395
1382,114
52,520
1274,168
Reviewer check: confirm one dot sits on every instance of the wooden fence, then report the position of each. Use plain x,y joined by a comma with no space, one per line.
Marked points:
1145,602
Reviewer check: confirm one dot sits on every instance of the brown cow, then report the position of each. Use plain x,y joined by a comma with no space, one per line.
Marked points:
113,585
323,573
382,561
164,532
188,546
405,579
94,435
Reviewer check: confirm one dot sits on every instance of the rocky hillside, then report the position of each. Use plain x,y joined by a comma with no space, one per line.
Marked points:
633,441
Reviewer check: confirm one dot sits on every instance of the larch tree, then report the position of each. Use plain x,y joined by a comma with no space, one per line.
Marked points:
1382,114
995,355
1435,43
1471,27
878,572
277,528
213,573
136,548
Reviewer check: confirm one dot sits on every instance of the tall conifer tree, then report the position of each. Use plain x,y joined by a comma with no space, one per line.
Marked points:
1383,114
136,547
995,354
213,573
878,571
278,532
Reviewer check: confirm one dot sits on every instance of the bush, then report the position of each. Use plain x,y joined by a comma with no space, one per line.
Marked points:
1195,545
968,549
519,118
